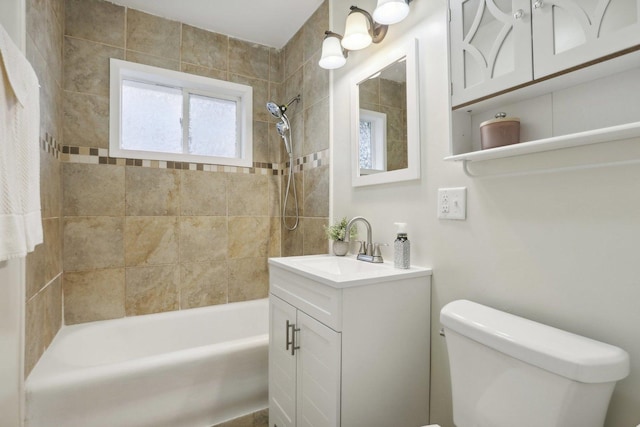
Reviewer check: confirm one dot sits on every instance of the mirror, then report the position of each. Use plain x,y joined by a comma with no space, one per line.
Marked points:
384,109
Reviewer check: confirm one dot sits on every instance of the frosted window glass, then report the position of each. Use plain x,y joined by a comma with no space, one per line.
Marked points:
151,117
366,145
166,115
213,126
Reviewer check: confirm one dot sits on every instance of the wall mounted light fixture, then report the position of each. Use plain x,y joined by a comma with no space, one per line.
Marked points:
389,12
333,55
361,29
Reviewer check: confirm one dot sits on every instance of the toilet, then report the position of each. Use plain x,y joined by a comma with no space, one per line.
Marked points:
508,371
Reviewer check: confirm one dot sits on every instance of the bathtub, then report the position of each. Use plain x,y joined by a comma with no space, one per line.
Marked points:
196,367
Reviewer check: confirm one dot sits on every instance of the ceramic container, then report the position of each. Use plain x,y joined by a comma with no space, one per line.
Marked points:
500,131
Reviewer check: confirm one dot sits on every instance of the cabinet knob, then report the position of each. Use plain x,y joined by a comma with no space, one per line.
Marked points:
538,4
518,14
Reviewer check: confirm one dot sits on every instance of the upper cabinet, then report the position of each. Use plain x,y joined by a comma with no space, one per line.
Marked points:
498,45
568,33
490,44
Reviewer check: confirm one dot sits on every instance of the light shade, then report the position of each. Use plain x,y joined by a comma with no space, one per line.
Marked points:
332,55
390,11
356,33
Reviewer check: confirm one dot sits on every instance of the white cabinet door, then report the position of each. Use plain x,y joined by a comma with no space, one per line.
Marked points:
567,33
490,47
282,364
318,374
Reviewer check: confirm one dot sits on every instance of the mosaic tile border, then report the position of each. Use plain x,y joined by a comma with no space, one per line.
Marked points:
74,154
310,161
50,145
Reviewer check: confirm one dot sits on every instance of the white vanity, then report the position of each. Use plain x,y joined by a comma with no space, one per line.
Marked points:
349,343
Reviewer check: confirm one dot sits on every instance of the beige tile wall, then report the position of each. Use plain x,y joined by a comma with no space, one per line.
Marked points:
141,238
44,265
310,122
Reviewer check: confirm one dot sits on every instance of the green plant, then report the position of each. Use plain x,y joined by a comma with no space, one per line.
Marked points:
337,231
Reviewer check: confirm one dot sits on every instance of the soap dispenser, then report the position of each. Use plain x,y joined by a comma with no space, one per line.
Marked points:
401,247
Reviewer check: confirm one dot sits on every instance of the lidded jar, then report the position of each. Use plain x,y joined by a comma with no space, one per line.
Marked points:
501,130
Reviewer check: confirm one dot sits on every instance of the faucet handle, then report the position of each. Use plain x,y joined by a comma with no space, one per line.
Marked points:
376,248
366,248
376,256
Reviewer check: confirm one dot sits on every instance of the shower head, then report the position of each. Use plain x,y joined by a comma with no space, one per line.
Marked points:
278,111
283,126
275,109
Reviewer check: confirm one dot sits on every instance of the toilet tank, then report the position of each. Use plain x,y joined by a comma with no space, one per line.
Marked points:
509,371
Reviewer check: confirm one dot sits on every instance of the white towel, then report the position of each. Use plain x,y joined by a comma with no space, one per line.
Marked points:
20,218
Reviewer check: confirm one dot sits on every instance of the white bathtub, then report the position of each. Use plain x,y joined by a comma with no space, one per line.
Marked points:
195,367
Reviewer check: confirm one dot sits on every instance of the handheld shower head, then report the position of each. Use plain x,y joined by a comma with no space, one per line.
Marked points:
283,128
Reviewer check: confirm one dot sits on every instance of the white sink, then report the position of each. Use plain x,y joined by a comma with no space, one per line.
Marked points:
341,272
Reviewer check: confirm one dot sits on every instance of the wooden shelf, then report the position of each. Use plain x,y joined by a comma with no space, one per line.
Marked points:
613,133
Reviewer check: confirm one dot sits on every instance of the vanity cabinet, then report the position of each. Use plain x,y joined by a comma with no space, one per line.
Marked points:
304,380
345,354
497,45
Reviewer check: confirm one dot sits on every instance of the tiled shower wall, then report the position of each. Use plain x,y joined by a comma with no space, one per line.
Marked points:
310,123
143,236
44,266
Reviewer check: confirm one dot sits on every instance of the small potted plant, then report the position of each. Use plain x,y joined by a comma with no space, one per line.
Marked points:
337,232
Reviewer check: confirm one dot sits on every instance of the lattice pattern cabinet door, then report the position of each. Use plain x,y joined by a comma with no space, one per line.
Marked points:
490,47
567,33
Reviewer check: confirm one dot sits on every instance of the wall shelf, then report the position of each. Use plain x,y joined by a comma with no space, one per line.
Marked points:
563,116
612,133
571,98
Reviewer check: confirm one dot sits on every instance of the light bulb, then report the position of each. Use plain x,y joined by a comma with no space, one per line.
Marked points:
390,12
356,33
332,55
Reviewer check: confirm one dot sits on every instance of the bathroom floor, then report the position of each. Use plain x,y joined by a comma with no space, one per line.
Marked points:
257,419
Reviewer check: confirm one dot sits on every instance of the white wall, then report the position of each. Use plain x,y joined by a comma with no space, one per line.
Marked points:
12,279
560,248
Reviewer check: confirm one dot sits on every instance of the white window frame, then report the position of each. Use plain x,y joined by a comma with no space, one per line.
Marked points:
379,140
189,83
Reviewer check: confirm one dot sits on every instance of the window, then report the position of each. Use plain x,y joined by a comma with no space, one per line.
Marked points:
160,114
373,142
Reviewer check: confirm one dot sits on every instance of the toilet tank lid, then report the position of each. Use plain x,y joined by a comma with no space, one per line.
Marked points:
561,352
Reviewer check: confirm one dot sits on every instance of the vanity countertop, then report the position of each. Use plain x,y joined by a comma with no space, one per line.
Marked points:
344,272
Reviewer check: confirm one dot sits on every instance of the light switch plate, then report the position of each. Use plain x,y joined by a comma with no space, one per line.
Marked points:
452,203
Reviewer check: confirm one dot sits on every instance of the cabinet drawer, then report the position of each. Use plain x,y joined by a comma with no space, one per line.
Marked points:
321,302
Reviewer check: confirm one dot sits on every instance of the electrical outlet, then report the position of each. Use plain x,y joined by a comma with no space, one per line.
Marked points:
452,203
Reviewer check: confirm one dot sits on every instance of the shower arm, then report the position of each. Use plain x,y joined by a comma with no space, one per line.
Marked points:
291,101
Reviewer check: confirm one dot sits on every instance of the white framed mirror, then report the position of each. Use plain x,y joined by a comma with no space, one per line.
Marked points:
385,130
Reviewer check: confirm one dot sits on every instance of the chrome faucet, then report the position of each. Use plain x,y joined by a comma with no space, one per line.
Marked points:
368,251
